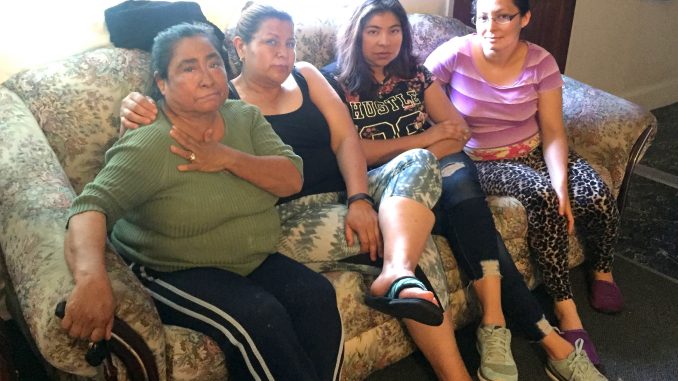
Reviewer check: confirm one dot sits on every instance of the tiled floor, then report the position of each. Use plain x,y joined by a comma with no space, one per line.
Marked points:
649,228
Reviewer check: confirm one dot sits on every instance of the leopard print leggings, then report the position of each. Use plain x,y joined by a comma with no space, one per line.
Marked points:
593,206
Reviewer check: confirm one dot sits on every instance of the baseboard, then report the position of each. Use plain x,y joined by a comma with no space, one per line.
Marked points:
655,95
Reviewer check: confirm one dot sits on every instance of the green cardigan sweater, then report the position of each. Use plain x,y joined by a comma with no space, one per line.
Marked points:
170,220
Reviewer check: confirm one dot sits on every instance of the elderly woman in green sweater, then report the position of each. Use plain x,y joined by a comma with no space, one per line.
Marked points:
206,255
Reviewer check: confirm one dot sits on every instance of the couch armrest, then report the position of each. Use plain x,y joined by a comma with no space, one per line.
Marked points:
604,129
35,195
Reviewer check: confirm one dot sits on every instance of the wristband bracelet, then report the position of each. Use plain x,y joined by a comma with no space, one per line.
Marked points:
360,196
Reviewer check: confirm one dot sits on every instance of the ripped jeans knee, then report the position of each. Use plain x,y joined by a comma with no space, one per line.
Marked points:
490,267
460,180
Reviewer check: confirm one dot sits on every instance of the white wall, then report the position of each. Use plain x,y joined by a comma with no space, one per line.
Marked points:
35,32
628,48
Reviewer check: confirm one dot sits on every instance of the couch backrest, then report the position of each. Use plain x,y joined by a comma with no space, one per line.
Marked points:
429,31
77,101
316,38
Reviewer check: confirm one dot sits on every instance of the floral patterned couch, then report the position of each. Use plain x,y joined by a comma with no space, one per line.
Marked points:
57,121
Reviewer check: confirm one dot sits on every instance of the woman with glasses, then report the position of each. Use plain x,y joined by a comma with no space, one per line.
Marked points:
510,94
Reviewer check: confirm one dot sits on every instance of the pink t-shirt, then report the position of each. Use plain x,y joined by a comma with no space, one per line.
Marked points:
498,116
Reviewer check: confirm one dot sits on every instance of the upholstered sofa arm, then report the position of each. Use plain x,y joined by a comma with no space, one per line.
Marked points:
34,198
610,132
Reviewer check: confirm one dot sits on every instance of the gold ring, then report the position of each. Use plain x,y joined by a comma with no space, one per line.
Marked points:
191,157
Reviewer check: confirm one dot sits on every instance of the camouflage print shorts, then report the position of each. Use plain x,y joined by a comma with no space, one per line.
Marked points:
313,226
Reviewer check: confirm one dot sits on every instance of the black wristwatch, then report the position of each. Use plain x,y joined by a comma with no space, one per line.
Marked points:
360,196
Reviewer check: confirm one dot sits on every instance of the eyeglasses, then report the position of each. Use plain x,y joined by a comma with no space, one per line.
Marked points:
501,19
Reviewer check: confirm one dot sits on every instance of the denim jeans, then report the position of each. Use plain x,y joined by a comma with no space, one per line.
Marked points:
465,220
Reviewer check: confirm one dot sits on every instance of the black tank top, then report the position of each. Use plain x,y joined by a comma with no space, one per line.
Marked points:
307,131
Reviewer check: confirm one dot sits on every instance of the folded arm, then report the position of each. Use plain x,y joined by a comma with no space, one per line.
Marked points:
273,173
447,134
442,112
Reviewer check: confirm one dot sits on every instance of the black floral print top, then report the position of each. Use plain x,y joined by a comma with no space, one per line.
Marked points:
398,110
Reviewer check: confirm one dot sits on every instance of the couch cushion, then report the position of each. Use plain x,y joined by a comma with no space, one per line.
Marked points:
76,103
193,356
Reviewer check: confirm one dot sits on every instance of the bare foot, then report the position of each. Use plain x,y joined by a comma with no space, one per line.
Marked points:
381,285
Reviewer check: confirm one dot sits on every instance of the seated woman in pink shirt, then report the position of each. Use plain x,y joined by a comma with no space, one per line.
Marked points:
510,94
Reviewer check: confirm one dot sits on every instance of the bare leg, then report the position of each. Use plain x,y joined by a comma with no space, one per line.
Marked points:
564,360
573,330
439,346
597,275
405,226
488,289
566,312
556,347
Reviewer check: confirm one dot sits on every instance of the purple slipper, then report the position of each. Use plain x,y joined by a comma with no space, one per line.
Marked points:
606,297
572,335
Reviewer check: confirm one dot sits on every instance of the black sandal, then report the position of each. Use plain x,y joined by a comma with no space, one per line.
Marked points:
417,309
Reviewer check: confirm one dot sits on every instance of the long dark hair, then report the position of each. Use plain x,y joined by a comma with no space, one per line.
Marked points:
353,71
523,6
